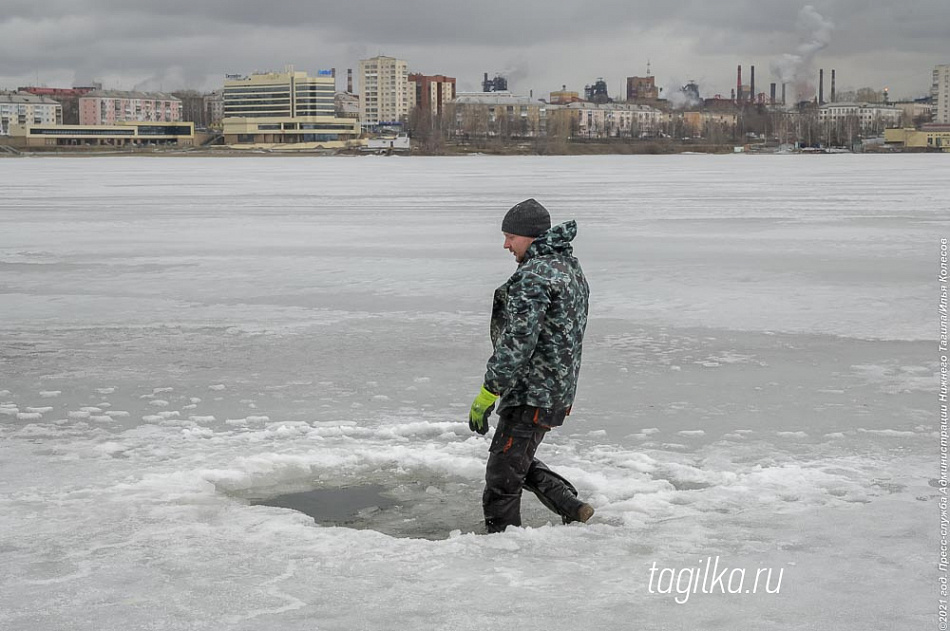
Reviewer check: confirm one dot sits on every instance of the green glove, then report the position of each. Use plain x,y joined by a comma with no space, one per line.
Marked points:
481,409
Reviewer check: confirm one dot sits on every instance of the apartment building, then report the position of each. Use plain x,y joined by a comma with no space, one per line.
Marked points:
385,96
17,108
108,107
67,97
700,123
214,108
431,93
940,94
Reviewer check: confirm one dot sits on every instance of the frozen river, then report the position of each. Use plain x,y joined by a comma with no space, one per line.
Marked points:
182,337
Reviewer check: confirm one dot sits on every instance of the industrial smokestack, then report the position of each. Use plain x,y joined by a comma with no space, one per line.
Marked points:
821,87
832,85
772,94
739,83
752,86
783,94
349,80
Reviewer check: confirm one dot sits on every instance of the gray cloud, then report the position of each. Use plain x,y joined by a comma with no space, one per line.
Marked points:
188,43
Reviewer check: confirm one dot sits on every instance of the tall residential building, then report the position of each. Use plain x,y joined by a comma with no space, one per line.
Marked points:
431,93
384,91
940,93
284,107
107,107
28,109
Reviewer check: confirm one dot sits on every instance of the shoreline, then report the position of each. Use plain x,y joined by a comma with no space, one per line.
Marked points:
225,153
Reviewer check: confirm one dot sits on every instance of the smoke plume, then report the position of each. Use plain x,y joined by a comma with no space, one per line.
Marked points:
796,68
680,98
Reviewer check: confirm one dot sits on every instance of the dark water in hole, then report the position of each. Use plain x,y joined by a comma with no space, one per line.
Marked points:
331,505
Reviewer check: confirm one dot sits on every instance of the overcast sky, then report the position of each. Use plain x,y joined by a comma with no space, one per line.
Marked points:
539,44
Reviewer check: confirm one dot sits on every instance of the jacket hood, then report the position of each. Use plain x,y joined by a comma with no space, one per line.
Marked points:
557,240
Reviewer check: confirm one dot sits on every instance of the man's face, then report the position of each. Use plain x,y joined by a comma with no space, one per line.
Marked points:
517,245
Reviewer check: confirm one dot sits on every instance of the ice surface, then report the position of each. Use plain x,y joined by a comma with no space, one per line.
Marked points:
758,385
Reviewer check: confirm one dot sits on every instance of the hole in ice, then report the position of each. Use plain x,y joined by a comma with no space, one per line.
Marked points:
420,508
332,506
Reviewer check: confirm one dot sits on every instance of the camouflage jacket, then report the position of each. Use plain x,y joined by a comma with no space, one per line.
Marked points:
537,325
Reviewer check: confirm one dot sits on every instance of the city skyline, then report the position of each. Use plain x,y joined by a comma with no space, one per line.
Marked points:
538,47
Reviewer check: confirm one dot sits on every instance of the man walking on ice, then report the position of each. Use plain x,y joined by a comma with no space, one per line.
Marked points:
537,329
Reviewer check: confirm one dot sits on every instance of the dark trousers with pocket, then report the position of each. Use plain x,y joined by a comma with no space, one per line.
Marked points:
512,467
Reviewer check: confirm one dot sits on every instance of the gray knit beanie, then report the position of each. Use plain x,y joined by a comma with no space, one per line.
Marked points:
527,219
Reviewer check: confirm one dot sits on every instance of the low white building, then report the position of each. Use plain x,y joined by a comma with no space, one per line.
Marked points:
914,110
497,114
870,116
612,120
28,109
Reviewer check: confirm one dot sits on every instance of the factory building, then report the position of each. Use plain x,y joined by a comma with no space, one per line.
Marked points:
563,96
642,89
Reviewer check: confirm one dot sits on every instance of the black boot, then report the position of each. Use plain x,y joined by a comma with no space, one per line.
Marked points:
556,493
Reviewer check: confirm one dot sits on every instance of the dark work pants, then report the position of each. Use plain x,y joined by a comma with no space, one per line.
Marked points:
512,466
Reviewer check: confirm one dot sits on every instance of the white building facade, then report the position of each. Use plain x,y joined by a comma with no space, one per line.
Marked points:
871,117
613,120
28,109
385,98
940,93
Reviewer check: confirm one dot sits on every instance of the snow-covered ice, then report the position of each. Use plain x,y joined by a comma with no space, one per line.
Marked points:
758,385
